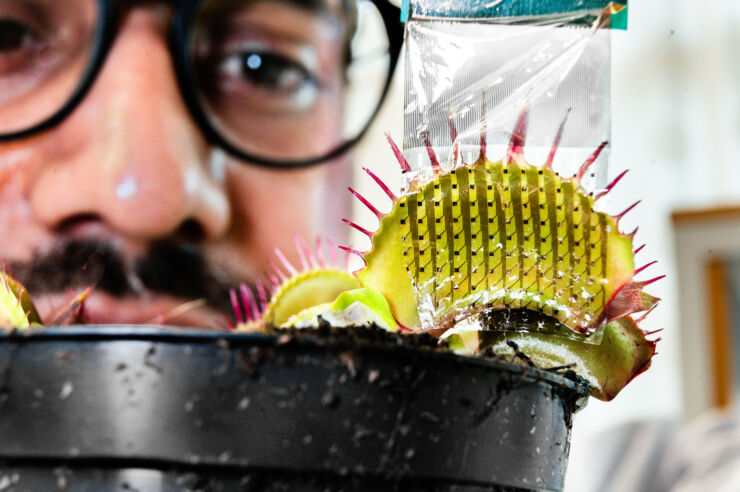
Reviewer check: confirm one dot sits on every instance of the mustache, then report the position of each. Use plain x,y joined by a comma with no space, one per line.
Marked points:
174,269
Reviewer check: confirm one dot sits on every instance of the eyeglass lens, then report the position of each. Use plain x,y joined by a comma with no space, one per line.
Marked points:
278,79
289,80
45,49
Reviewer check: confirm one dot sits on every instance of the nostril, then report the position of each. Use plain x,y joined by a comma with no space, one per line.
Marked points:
190,231
78,223
88,225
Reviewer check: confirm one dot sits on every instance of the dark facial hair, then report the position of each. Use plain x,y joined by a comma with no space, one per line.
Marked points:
168,268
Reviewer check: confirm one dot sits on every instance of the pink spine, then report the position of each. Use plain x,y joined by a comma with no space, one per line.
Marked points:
556,142
262,295
483,129
627,210
320,252
611,185
281,277
645,267
365,202
651,281
382,185
359,228
237,308
332,252
288,266
250,304
432,155
519,136
399,156
453,136
589,162
354,252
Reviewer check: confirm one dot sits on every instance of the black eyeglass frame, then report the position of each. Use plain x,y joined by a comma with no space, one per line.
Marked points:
182,22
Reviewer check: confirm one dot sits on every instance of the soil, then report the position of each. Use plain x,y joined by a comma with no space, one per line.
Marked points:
374,335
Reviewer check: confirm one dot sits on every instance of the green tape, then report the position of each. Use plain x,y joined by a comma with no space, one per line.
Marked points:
405,8
619,20
576,11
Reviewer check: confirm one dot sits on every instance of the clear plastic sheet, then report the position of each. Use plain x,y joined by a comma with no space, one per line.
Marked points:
483,75
461,69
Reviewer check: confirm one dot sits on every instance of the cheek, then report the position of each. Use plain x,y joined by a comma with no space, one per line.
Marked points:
271,206
19,233
275,203
311,134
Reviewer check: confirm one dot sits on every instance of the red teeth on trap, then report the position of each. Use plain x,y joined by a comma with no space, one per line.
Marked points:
318,281
16,308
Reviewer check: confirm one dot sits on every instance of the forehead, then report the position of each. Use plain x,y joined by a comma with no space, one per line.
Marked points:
336,7
341,9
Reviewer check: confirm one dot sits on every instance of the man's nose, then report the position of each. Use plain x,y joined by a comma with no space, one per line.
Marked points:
130,156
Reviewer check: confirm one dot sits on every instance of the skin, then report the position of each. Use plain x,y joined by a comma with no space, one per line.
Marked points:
133,132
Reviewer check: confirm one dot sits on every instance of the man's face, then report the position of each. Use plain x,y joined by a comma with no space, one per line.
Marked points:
126,196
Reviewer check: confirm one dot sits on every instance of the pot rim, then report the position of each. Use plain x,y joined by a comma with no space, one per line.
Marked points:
172,334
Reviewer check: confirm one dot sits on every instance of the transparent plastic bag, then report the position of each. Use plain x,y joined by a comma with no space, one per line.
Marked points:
468,79
460,70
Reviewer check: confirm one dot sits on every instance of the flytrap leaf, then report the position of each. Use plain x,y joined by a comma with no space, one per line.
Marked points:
483,240
16,308
622,353
293,295
492,235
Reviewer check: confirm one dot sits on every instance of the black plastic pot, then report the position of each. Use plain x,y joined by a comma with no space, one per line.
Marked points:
156,409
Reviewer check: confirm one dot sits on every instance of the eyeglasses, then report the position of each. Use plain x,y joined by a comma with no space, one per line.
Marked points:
282,83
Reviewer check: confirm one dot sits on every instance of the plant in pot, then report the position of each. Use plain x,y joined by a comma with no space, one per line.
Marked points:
494,299
500,260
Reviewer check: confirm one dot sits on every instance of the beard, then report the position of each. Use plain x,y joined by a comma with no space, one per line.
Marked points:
176,270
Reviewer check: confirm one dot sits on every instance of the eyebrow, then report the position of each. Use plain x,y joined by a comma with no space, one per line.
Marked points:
313,6
318,6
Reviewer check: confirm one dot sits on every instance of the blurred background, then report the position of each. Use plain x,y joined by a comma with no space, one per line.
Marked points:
676,127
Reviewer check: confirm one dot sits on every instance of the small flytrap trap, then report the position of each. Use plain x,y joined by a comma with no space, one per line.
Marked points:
498,293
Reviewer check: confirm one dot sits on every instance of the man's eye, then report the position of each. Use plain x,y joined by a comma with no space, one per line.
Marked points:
13,36
269,72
